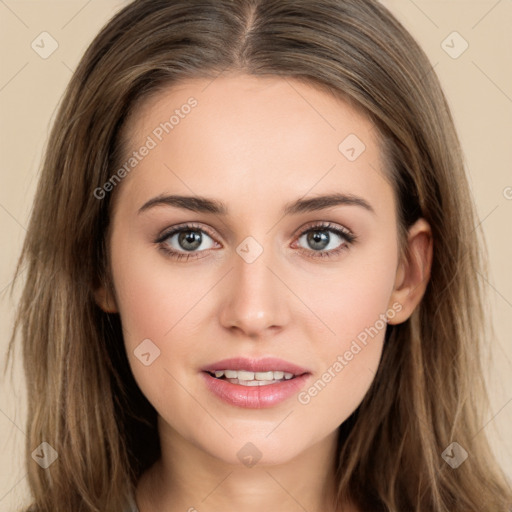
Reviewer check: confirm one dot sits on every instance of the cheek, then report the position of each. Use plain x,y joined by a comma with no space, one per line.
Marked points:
153,296
353,304
156,307
352,296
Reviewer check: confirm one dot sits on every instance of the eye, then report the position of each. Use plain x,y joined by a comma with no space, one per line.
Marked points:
185,241
326,240
190,241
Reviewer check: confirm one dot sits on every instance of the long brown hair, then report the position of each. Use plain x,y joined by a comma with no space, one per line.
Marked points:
428,391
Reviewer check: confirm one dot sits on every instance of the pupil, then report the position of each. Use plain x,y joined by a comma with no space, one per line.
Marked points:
190,237
318,237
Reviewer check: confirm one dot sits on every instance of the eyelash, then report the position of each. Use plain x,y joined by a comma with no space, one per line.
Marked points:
344,233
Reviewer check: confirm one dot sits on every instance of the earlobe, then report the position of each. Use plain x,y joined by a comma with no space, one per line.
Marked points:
413,271
105,300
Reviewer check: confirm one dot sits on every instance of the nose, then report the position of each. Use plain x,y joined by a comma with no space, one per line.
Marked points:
255,301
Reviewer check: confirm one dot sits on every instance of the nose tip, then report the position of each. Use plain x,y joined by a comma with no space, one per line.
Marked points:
253,302
253,325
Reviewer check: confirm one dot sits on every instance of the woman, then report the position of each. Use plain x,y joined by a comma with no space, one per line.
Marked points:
322,350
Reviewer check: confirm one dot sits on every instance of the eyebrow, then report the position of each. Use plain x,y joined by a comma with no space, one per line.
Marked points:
206,205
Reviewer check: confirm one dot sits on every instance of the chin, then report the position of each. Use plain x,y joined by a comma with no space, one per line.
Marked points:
246,449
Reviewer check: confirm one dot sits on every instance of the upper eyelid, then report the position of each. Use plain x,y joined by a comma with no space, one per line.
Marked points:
166,233
327,226
319,225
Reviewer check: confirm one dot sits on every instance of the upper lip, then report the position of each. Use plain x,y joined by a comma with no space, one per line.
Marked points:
265,364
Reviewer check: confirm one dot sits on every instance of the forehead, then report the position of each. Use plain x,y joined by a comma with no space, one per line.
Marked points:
252,139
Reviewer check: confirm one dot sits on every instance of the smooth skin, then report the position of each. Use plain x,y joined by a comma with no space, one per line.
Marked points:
255,144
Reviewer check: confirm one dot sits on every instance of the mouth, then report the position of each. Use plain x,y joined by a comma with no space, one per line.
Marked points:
252,383
254,371
248,378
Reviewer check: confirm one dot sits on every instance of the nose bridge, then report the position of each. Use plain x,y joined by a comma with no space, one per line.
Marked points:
255,296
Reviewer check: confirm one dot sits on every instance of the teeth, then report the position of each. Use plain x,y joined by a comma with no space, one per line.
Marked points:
263,376
247,377
254,382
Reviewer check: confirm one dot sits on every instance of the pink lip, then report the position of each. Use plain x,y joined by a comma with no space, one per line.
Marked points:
257,397
265,364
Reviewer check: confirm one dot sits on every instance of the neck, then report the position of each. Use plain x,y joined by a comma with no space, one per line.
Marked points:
187,477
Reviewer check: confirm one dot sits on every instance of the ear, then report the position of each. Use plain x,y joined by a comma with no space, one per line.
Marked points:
105,300
413,272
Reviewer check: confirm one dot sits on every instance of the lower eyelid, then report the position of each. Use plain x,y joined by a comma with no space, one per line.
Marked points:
348,238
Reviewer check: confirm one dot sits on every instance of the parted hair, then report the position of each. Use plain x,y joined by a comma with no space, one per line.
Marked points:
429,389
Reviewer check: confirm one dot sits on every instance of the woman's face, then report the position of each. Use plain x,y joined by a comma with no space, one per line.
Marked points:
266,269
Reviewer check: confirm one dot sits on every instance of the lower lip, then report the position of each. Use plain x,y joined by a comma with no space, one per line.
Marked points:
255,397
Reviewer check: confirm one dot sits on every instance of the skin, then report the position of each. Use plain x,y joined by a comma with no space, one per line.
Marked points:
255,144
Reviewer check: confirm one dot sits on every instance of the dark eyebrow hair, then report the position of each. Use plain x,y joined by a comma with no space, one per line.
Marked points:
206,205
326,201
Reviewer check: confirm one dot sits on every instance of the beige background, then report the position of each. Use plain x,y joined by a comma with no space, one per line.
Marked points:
478,85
